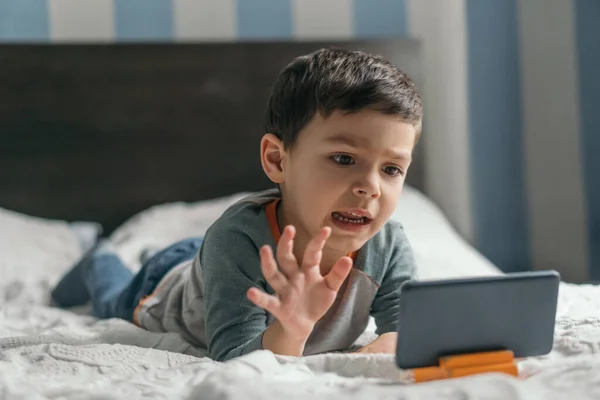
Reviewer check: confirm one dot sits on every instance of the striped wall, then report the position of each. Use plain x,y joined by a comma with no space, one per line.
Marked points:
181,20
587,28
512,138
511,92
552,146
534,85
496,148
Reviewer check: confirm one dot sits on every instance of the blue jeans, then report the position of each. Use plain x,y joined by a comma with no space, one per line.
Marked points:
111,287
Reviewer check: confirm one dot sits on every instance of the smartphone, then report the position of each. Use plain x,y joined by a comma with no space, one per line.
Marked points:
516,312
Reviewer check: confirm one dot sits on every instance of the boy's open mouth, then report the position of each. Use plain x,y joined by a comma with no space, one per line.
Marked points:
350,218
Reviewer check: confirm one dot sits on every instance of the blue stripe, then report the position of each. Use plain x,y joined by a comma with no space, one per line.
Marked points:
264,19
24,21
144,20
380,18
587,17
499,200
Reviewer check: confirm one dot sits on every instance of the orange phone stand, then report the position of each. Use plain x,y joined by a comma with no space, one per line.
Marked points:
468,364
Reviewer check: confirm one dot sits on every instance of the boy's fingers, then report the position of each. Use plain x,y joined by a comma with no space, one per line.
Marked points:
285,252
338,274
264,300
313,252
269,269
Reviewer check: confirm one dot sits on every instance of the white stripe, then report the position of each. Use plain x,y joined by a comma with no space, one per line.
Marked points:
205,19
441,27
318,19
81,20
552,144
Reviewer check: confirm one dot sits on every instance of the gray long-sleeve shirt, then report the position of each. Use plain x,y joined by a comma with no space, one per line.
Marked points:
205,301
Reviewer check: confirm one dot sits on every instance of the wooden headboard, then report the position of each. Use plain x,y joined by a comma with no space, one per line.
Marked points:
100,132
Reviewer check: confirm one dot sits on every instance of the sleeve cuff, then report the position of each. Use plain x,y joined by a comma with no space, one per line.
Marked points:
248,347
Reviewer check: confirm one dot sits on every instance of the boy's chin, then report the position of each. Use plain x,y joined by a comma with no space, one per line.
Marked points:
345,244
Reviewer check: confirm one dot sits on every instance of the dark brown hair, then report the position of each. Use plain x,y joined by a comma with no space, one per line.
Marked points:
334,79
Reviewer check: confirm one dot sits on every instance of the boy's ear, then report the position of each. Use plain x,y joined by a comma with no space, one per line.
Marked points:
272,156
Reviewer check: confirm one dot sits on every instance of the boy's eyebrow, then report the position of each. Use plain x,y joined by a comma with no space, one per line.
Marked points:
360,142
399,155
349,140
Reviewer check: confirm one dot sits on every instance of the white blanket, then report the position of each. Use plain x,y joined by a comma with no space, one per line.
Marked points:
51,353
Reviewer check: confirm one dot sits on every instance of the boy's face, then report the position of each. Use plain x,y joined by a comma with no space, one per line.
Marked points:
347,172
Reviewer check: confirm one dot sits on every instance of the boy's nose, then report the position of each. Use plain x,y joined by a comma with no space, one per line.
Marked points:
369,187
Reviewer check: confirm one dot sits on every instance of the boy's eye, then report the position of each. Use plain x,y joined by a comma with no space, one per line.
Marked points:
342,159
393,171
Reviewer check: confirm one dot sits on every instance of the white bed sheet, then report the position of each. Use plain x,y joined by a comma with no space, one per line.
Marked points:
51,353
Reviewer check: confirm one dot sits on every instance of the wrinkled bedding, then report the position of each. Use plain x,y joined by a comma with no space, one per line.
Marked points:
50,353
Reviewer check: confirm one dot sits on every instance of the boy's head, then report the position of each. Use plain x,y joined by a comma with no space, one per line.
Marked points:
341,127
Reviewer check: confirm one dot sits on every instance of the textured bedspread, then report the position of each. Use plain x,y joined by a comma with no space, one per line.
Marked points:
51,353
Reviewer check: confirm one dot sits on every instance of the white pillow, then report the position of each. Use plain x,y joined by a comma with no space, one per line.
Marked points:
162,225
34,253
439,250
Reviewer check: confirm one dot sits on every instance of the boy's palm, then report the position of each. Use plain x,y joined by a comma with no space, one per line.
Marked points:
303,294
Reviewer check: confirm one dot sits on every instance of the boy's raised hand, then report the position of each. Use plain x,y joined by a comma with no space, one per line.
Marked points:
303,294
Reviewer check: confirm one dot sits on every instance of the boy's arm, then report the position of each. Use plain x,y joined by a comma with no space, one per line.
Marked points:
277,340
303,294
385,343
385,307
230,265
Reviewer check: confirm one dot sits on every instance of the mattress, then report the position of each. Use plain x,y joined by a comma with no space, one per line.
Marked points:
50,353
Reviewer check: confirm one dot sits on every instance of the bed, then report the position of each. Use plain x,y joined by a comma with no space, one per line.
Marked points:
127,138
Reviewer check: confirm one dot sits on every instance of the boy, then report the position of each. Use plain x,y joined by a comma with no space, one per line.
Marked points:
341,127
